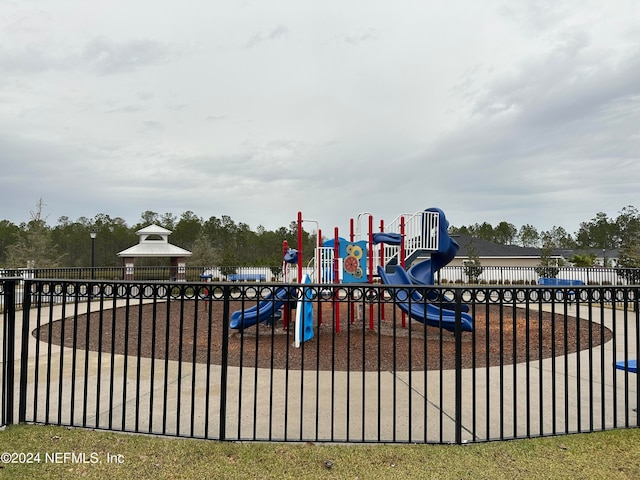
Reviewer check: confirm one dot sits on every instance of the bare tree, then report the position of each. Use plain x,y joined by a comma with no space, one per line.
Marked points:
34,247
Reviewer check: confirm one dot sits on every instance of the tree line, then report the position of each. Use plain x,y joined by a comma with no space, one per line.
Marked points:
223,242
216,241
601,232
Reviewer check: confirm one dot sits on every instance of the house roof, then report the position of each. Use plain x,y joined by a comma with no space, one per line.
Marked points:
490,249
597,252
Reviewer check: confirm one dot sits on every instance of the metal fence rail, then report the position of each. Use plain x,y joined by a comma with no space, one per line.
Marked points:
161,358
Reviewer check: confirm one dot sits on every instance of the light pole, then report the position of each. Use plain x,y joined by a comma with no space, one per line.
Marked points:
93,234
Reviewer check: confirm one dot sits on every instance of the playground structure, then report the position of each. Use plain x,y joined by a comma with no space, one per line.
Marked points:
406,255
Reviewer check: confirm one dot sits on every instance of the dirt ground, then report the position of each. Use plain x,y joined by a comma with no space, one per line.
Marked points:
181,330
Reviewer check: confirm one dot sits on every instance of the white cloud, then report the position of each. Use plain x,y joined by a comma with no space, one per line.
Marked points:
108,57
275,33
492,111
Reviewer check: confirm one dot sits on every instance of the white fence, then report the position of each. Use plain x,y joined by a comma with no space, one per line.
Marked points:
529,275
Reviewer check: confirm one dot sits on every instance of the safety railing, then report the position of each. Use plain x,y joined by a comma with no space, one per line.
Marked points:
386,363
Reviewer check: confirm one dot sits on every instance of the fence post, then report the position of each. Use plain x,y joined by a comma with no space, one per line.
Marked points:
224,361
458,342
9,350
24,351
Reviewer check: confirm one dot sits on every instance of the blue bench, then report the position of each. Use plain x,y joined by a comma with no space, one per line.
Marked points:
559,282
631,365
246,277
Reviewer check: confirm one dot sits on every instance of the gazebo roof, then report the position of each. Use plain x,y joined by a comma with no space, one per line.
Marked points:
154,242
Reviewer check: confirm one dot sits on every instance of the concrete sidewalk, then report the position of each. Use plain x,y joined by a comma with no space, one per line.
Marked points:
580,393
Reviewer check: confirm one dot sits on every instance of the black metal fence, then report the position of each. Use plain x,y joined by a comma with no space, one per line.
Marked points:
161,358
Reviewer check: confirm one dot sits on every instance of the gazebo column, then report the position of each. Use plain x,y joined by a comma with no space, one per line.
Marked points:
178,268
128,268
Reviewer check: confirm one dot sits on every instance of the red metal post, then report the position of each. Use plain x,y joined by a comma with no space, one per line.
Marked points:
382,244
320,267
382,265
402,254
299,247
402,250
352,306
370,260
336,277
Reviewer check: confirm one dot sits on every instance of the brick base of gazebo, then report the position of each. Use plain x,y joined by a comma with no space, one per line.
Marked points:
154,242
177,269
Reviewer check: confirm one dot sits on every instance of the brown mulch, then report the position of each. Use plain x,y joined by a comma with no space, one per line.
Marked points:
181,330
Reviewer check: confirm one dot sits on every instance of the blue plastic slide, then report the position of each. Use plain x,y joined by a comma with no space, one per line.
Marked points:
304,314
417,307
266,309
423,273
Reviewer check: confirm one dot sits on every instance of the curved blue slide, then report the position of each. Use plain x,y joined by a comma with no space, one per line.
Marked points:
266,309
417,307
423,273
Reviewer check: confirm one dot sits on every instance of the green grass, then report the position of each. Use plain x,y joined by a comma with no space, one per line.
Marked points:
606,455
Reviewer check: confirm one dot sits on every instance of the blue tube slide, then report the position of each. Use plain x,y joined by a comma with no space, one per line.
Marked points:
417,307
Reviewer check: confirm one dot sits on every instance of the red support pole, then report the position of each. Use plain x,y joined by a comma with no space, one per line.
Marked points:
370,256
382,263
286,317
352,306
299,247
320,267
319,257
402,254
336,277
402,250
382,245
370,260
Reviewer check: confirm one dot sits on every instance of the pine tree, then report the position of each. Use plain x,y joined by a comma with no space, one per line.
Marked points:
548,266
472,267
629,259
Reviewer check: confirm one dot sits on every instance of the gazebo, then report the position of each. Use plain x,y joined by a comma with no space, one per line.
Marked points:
153,241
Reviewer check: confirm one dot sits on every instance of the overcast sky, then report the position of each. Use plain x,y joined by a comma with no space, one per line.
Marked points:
523,111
